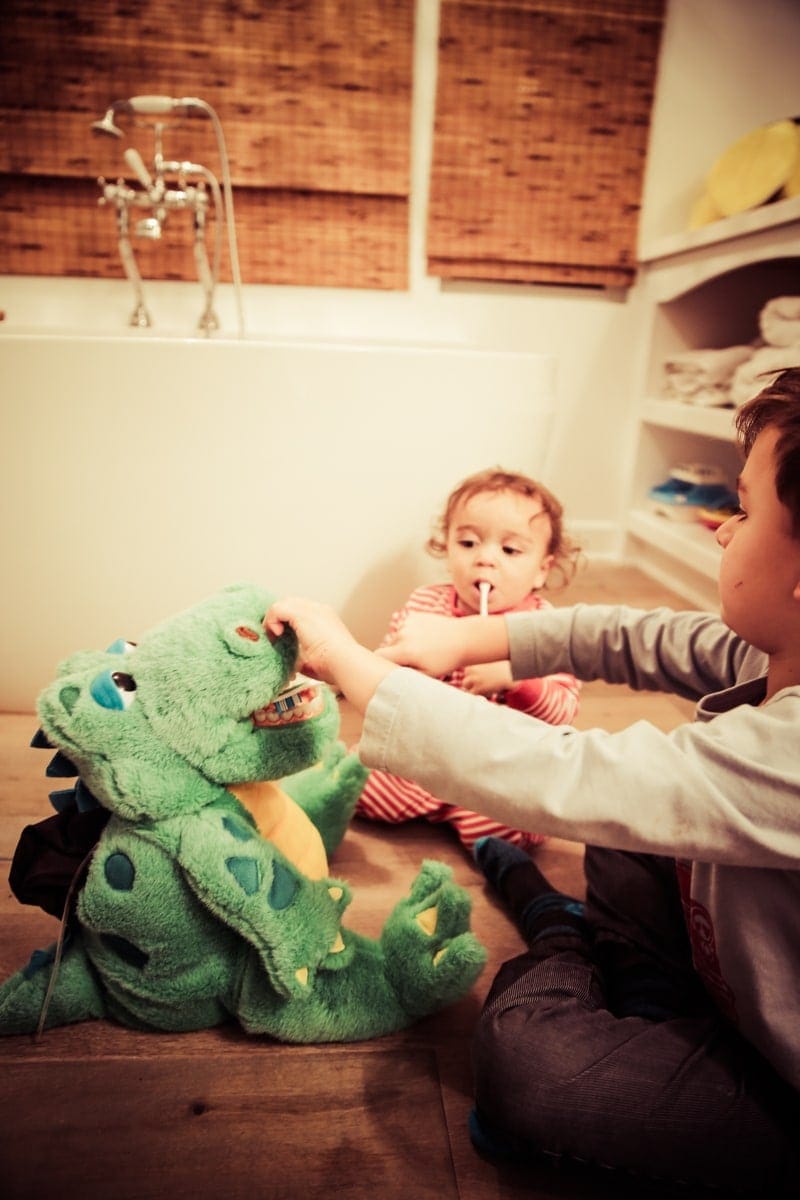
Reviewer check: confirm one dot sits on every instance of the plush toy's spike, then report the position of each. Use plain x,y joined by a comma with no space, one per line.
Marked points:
121,646
84,799
63,799
78,797
39,741
60,767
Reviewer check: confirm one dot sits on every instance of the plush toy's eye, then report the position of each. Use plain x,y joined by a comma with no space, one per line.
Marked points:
113,689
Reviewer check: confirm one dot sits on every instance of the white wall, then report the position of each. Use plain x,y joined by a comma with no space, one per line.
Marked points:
138,476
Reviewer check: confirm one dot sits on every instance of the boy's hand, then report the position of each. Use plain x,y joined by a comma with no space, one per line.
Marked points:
429,642
319,629
438,645
327,649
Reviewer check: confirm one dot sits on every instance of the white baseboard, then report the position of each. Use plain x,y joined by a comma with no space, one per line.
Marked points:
605,541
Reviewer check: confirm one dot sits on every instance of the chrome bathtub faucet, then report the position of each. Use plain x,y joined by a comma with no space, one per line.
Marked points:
172,185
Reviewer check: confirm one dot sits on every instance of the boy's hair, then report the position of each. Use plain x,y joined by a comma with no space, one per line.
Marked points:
564,550
777,406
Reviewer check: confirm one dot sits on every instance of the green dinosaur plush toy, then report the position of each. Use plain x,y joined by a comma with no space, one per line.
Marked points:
207,896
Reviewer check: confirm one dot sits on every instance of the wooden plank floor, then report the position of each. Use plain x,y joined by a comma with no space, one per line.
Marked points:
102,1113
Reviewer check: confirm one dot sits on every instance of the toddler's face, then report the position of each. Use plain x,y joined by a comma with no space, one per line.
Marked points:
500,538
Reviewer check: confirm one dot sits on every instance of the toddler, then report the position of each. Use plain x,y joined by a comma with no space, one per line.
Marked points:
500,533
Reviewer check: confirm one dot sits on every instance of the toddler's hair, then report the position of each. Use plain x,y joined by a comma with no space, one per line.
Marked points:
564,550
778,406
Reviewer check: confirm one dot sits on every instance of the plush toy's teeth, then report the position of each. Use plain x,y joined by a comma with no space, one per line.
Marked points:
300,700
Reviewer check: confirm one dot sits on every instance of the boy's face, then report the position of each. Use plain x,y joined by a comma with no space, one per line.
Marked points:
500,538
759,578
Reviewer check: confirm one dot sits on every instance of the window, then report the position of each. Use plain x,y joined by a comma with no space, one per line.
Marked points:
542,117
314,99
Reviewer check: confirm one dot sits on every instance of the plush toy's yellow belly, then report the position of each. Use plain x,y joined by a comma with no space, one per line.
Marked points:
282,821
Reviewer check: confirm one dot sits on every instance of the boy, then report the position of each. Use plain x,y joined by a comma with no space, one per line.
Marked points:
658,1030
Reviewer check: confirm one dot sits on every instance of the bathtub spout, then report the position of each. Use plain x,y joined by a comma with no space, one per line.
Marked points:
140,317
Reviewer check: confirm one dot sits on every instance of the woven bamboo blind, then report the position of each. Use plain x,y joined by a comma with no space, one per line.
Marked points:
314,97
542,117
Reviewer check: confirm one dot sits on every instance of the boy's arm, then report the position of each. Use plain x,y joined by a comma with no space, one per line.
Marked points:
690,653
719,791
438,645
687,653
327,650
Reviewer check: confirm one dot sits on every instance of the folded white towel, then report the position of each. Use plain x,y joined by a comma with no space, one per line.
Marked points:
779,321
758,372
703,376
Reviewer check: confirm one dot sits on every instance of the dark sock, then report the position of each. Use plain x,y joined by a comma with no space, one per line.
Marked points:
541,913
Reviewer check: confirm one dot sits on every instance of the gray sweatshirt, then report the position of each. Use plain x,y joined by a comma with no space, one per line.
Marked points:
720,794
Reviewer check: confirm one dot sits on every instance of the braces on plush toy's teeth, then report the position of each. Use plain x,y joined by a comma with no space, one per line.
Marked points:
300,700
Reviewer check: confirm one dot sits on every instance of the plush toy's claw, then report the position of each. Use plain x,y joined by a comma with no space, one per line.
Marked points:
427,921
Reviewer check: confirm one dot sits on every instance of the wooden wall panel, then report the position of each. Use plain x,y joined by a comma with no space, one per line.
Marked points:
542,118
314,97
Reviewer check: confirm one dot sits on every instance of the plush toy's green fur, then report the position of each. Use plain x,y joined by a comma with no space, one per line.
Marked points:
189,916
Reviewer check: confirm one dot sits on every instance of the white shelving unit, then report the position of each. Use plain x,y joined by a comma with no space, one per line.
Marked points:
704,289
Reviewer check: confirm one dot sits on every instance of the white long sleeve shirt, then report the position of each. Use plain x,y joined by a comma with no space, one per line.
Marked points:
720,794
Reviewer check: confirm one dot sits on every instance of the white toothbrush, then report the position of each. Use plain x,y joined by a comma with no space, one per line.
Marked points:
484,589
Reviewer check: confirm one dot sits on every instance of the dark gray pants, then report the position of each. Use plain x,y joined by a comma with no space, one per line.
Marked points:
558,1068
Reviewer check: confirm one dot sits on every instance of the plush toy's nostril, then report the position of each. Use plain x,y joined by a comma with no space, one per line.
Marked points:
248,633
69,697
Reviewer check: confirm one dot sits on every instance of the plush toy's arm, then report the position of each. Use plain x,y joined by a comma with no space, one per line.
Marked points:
328,791
291,921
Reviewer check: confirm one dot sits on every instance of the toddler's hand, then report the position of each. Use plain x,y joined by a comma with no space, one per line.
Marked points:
486,679
319,629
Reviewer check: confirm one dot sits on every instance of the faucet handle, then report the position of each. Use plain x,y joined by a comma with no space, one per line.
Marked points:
136,163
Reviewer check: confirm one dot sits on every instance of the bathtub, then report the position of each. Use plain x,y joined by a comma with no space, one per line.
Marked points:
141,473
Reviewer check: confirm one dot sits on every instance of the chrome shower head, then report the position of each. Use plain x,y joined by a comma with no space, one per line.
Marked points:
149,106
107,124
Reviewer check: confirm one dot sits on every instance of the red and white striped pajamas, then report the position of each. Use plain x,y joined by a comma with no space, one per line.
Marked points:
553,698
